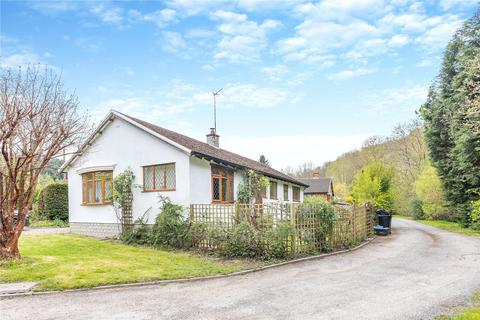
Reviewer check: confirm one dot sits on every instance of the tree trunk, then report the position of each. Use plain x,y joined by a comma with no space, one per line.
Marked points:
10,251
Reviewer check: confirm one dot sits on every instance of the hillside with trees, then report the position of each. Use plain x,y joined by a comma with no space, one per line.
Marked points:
402,156
429,168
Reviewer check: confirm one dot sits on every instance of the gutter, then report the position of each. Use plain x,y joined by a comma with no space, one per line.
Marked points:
231,164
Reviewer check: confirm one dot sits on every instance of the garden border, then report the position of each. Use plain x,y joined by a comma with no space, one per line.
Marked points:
194,279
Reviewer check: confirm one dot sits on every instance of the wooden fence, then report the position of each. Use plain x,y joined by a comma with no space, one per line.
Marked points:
311,233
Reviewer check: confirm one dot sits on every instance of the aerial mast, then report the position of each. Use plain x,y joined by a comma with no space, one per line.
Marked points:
215,94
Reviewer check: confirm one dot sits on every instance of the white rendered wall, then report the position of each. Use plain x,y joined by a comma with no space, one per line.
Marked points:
123,145
200,181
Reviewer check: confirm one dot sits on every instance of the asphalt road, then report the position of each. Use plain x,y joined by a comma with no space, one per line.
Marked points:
416,273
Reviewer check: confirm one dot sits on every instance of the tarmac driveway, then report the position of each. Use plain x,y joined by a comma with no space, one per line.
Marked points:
416,273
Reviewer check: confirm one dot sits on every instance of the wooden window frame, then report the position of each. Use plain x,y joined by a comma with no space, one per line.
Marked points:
285,188
85,188
230,180
276,190
293,194
154,166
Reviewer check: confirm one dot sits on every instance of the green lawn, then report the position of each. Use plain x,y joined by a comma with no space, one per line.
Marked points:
446,225
66,261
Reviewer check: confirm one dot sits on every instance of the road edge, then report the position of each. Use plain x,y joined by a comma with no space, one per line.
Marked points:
186,280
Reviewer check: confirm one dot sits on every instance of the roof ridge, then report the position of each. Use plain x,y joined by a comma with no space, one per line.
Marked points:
265,170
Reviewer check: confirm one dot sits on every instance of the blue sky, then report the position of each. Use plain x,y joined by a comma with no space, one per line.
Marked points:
302,81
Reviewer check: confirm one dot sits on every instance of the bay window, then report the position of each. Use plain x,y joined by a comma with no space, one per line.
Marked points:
97,188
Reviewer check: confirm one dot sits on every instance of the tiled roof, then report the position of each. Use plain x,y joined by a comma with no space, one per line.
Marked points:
204,150
317,185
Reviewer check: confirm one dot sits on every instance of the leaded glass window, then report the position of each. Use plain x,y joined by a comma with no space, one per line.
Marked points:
159,177
222,185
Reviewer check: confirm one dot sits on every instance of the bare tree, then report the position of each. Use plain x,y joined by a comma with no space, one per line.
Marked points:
39,120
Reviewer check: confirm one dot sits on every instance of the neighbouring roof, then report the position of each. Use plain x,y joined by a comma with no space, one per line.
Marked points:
317,185
203,150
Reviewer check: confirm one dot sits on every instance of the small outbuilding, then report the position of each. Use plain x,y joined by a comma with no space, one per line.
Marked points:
318,186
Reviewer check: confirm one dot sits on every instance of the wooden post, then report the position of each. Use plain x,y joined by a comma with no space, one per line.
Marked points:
293,222
354,223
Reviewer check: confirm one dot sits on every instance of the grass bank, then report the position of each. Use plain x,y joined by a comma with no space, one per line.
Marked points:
445,225
66,261
466,314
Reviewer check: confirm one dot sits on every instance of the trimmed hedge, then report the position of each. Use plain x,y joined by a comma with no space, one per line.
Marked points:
53,202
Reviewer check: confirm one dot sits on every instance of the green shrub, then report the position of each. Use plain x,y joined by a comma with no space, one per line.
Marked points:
417,209
217,236
320,210
374,183
171,229
48,224
428,188
475,215
197,233
53,202
43,181
139,233
243,241
277,241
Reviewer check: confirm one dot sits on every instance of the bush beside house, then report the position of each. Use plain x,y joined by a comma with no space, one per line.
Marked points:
53,202
245,239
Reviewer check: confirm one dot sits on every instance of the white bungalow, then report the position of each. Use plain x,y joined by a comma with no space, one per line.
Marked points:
164,163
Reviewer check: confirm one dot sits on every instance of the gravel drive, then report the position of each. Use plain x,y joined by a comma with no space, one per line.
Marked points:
416,273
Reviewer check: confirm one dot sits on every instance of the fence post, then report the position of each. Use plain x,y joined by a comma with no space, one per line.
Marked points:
293,222
355,209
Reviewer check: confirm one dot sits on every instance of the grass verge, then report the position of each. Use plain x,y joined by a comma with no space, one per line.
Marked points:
66,261
446,225
466,314
48,224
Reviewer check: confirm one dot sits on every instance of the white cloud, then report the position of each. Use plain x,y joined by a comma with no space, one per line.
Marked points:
281,73
194,7
243,40
19,59
340,10
181,97
173,41
112,15
437,37
262,5
397,99
252,96
449,4
276,72
315,39
360,29
398,41
161,17
347,74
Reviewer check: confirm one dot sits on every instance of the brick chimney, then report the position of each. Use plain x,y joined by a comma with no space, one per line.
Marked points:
316,175
213,138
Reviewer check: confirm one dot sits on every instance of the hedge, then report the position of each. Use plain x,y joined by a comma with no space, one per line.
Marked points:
53,202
